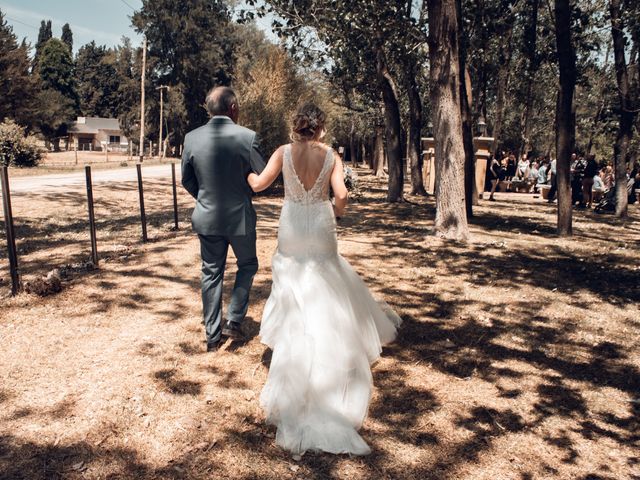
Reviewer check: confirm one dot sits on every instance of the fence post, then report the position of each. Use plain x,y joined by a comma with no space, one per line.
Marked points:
11,238
175,195
143,215
92,217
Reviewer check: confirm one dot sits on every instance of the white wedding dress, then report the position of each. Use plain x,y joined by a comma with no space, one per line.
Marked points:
323,325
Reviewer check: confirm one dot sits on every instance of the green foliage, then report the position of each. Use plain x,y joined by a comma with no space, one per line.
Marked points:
16,83
191,46
98,82
57,100
67,37
55,113
16,148
44,35
268,87
56,67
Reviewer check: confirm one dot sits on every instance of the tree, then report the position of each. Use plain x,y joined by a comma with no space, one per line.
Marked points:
470,193
44,35
359,45
627,94
565,120
451,221
57,100
67,36
56,68
191,46
16,83
98,82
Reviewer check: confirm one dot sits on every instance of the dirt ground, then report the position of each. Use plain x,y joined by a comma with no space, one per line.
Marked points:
518,357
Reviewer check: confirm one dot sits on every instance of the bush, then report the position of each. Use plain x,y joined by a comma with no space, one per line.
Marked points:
16,148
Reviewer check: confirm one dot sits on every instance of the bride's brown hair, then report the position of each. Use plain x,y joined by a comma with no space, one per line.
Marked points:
308,120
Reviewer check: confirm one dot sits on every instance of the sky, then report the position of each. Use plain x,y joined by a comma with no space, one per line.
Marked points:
104,21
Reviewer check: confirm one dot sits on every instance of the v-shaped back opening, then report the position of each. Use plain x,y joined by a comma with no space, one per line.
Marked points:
318,176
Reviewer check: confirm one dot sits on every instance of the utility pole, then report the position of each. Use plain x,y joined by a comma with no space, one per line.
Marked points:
144,70
161,148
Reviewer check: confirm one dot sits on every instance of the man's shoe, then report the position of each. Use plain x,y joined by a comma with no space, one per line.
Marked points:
213,346
233,330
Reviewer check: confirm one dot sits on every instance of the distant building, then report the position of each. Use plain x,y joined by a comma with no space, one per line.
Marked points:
94,133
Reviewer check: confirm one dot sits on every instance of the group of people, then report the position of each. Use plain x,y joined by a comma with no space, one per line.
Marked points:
589,179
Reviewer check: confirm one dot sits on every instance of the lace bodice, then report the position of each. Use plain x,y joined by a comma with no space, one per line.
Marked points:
294,189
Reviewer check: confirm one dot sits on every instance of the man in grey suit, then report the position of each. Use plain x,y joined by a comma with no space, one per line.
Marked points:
216,161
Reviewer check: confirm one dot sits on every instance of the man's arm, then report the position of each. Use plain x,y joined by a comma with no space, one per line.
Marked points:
256,158
189,180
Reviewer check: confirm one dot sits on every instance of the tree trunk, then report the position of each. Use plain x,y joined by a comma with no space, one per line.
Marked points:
371,146
627,113
353,147
565,130
503,82
531,37
414,149
470,190
451,220
393,131
378,152
602,86
470,187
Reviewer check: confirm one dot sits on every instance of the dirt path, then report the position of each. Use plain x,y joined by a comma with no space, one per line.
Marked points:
60,183
518,358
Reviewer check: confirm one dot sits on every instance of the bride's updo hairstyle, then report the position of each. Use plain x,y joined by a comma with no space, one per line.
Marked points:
307,122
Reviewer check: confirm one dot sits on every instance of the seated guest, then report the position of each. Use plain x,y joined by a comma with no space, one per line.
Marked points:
597,190
542,172
608,177
523,167
533,172
590,171
510,168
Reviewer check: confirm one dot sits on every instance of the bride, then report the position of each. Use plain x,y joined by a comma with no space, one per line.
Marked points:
321,321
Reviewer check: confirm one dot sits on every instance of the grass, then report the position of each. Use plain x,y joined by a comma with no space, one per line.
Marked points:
518,357
65,162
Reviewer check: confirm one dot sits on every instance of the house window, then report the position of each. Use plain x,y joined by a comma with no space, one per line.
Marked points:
114,138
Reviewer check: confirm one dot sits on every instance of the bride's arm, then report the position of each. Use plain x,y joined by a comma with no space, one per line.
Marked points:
261,182
339,189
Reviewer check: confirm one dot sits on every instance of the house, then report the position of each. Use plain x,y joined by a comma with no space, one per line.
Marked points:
94,133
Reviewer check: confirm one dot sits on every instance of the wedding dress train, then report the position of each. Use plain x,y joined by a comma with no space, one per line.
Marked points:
323,325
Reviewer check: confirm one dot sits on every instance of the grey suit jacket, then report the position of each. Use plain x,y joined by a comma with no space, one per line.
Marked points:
216,160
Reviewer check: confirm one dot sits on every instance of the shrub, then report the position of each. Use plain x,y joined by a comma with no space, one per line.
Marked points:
16,148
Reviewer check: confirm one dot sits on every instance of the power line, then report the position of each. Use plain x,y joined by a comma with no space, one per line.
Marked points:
22,23
123,1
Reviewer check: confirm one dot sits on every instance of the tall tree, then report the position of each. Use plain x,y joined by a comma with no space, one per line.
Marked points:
67,36
57,99
16,83
191,46
451,220
98,82
470,191
628,99
532,60
358,42
44,35
565,120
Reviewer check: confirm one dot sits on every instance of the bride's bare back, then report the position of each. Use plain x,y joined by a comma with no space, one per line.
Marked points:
308,160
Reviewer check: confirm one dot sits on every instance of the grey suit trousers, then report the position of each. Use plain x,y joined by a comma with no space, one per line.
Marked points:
213,249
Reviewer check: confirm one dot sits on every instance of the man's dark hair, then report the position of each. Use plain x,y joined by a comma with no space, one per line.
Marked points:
219,100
